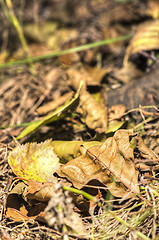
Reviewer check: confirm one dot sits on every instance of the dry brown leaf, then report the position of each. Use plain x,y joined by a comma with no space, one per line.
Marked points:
128,73
145,151
94,114
82,169
95,73
91,75
118,189
145,39
116,111
116,156
16,215
75,78
17,207
36,213
40,191
69,59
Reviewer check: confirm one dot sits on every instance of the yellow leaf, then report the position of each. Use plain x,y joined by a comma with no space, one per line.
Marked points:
34,161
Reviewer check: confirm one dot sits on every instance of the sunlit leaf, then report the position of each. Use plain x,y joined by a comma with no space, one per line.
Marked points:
34,161
110,163
67,150
82,169
91,75
145,39
116,155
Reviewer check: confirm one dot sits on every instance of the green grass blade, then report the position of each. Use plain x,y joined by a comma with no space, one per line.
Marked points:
70,50
83,193
56,115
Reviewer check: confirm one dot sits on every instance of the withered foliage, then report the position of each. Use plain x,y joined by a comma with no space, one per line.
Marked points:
102,182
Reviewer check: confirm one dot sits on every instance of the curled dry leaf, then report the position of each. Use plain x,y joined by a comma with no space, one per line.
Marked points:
116,155
94,114
34,161
145,39
96,74
118,189
27,200
82,169
145,151
112,160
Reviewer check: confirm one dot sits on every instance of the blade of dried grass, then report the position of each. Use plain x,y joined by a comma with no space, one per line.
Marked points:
125,221
143,236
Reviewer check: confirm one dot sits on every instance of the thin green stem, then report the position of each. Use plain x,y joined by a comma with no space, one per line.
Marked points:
86,195
92,232
66,51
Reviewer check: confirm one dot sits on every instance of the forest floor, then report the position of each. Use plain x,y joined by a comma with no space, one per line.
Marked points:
79,119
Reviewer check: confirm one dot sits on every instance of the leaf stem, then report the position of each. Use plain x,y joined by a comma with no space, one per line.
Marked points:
77,191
